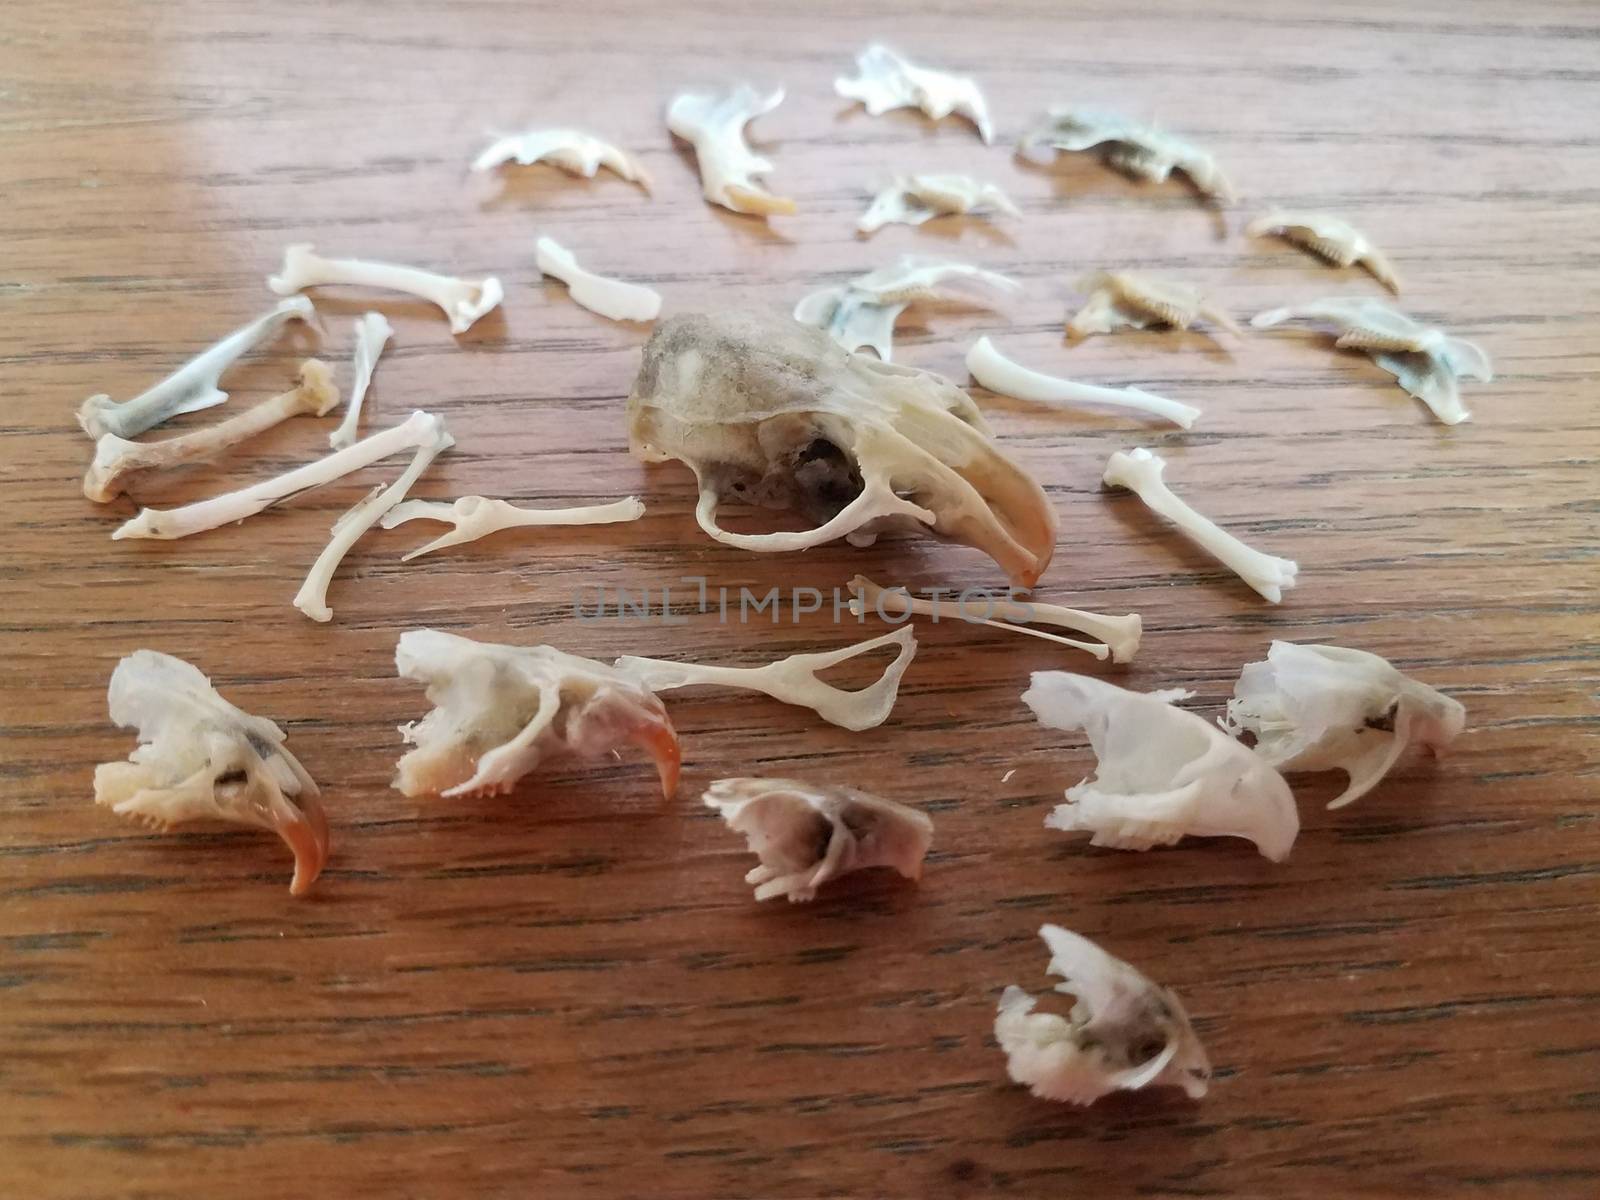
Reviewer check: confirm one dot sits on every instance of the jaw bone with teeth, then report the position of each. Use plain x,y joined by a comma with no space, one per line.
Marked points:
775,414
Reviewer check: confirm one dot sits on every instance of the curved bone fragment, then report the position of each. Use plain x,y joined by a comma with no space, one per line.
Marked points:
477,517
1162,773
574,152
200,758
168,523
1136,149
1326,708
998,373
117,461
805,834
312,598
1140,472
1426,362
729,170
462,300
793,680
887,81
373,332
1331,238
915,199
192,386
1125,300
1120,634
775,414
1124,1032
501,711
611,298
863,312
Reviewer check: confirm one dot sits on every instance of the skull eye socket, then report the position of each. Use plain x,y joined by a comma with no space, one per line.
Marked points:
824,476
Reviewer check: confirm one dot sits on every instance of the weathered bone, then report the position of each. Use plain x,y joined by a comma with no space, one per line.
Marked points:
462,300
477,517
887,81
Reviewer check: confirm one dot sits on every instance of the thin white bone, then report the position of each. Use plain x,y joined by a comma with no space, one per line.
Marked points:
714,126
169,523
462,300
373,332
793,680
477,517
575,153
863,312
611,298
1140,472
1120,634
917,199
192,386
888,81
312,598
1000,374
117,460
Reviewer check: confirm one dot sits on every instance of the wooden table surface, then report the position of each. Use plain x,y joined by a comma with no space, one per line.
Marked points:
569,991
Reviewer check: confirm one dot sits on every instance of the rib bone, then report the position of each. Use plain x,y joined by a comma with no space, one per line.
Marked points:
611,298
192,386
462,300
1140,472
999,374
116,459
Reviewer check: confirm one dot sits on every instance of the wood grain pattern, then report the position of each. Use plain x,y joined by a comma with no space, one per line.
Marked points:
568,992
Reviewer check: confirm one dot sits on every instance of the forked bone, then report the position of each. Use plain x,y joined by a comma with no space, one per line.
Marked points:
714,125
998,373
118,461
462,300
192,386
477,517
793,680
1141,473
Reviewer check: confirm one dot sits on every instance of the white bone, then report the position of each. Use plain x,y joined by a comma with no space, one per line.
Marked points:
500,711
1120,635
1139,150
863,312
1127,300
916,199
1326,708
1331,238
806,834
117,460
575,153
200,758
611,298
998,373
373,332
729,170
1162,773
169,523
462,300
477,517
1426,362
793,680
888,81
1118,1017
1140,472
192,386
312,598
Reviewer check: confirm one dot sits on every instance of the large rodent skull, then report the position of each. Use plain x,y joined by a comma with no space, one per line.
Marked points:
773,413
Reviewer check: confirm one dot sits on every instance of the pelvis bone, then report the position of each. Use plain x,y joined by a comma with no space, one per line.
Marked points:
773,413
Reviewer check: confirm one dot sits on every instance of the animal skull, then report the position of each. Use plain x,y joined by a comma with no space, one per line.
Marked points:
775,414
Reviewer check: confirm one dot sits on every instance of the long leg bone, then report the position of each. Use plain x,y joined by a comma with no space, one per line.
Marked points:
615,299
312,598
373,332
166,524
793,680
1140,472
999,374
192,386
462,300
117,460
477,517
1120,634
